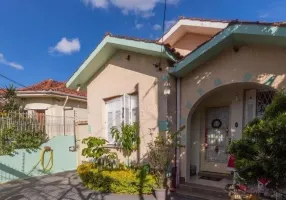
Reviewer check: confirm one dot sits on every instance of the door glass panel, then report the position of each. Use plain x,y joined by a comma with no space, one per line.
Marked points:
217,134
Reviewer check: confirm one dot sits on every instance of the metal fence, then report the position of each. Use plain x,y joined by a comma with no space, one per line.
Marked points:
51,125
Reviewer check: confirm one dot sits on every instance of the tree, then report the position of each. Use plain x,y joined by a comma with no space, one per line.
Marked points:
127,138
161,154
18,131
102,156
11,101
261,153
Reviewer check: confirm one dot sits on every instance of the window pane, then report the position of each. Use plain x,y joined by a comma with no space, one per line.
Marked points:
126,109
127,120
134,115
117,119
109,125
263,99
134,108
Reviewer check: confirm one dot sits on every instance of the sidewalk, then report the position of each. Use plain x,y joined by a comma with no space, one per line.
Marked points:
62,186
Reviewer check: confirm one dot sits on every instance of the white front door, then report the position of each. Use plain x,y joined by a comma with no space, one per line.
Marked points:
214,156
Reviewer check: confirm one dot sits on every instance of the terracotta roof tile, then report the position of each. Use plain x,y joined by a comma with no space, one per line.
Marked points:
132,38
2,91
230,22
204,19
52,85
168,46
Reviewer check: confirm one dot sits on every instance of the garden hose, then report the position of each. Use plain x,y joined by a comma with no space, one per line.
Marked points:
50,163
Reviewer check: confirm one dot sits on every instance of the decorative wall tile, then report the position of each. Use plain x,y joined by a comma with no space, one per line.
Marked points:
183,121
217,82
165,78
163,125
188,105
200,91
247,77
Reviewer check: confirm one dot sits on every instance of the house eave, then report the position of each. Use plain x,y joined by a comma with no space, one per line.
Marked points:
105,50
35,94
236,34
184,26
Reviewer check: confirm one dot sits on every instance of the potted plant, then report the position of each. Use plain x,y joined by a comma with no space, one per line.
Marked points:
160,155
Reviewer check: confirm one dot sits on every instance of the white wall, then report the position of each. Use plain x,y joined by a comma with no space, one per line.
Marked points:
55,114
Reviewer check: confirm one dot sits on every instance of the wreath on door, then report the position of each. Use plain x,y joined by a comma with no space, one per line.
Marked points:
216,123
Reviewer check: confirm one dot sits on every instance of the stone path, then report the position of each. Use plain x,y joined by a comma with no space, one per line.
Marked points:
62,186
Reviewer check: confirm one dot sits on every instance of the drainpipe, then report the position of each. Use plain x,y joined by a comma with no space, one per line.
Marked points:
177,150
64,114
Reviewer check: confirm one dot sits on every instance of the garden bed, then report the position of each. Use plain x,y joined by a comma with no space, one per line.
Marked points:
120,181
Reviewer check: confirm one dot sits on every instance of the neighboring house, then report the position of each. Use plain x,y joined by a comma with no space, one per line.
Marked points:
55,105
212,76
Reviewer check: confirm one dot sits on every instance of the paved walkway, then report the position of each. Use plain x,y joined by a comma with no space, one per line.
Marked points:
62,186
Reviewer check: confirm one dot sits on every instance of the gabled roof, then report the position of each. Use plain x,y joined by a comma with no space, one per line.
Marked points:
108,46
51,86
236,33
193,25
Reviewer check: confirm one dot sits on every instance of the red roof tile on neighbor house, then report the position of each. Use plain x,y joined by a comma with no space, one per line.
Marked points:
54,86
2,91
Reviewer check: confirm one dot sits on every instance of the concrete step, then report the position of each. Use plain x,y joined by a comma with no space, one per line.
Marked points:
202,192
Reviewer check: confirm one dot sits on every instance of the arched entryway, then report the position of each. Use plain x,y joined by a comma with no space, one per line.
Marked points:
217,118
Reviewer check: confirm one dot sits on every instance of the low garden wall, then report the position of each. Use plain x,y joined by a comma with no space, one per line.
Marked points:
21,165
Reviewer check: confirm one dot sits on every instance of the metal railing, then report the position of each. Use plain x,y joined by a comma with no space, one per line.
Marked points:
51,125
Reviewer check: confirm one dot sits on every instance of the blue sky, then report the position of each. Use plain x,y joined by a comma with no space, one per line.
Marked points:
50,39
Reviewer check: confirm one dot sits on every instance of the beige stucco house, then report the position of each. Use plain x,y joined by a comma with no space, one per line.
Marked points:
212,76
53,105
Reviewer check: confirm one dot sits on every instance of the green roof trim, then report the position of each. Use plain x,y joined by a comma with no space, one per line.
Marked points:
236,34
105,50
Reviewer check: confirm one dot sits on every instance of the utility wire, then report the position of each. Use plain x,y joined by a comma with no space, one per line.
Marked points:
164,19
163,29
11,80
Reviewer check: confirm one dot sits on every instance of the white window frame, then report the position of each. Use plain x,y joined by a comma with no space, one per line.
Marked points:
126,101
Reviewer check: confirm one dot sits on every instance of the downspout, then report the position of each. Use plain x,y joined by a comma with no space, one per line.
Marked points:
177,153
64,114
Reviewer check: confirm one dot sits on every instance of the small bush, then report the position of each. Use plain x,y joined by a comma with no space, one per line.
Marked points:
121,181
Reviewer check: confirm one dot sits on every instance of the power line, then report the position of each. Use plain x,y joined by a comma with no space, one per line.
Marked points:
11,80
163,30
164,19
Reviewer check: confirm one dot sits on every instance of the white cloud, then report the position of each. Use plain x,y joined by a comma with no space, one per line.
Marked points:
8,63
139,26
66,46
265,15
96,3
274,11
157,27
169,24
144,8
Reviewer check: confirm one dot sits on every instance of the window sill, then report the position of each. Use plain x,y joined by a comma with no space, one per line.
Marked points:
111,146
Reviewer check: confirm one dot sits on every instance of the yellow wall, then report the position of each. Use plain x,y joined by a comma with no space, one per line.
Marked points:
121,76
189,42
255,64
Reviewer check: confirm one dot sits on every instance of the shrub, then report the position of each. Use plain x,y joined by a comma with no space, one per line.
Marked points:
160,155
260,153
102,156
119,181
